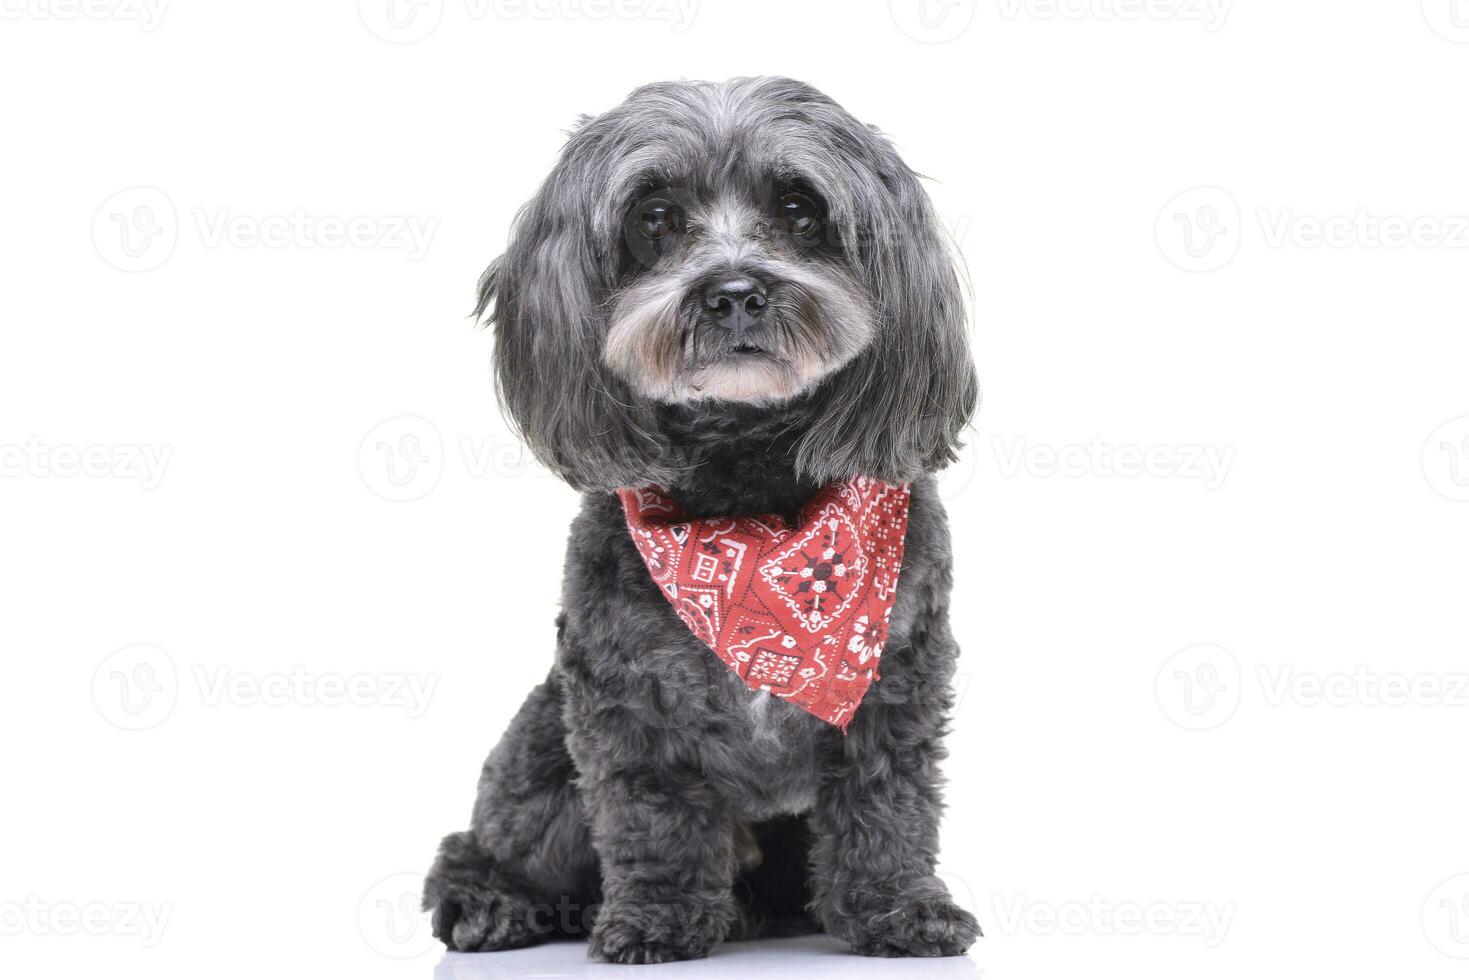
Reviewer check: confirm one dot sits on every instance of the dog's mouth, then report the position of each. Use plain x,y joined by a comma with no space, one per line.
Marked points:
744,349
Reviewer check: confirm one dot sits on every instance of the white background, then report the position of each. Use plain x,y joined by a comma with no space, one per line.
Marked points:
1182,693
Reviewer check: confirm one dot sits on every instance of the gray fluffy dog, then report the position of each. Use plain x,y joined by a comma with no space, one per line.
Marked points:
738,292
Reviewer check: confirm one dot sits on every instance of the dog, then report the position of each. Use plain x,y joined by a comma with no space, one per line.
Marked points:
739,295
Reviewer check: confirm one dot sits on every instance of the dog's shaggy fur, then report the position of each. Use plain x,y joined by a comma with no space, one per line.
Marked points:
643,793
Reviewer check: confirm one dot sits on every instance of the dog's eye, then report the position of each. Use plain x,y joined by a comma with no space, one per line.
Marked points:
799,215
658,217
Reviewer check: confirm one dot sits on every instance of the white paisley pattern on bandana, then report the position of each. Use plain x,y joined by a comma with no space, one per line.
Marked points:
801,612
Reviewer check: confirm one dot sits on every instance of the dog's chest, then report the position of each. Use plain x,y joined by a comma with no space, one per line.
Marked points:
770,764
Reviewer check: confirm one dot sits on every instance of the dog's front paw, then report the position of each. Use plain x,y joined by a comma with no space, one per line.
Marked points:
925,927
633,932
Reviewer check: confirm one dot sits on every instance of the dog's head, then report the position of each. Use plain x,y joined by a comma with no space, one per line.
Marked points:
743,242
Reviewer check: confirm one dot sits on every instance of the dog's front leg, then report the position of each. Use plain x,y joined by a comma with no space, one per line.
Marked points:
664,838
876,822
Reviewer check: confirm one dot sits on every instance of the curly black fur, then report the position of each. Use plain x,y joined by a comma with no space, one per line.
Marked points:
644,796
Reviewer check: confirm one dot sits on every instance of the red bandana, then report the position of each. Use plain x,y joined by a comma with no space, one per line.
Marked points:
801,612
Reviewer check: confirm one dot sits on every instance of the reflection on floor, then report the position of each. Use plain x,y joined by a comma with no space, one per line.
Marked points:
808,957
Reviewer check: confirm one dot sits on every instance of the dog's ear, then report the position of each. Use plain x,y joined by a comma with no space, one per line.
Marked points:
486,289
898,409
546,297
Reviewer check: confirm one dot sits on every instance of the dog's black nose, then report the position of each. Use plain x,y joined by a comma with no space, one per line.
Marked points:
735,303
